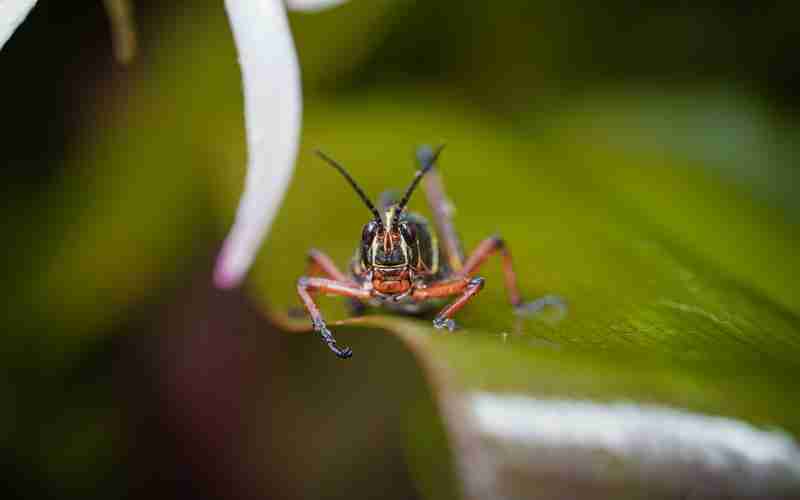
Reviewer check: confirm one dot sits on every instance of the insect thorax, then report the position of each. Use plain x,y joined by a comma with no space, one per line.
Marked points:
427,247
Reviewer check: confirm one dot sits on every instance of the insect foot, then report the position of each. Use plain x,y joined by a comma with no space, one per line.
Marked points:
448,323
536,306
327,337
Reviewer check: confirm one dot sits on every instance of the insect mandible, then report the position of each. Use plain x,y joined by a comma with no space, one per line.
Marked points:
400,263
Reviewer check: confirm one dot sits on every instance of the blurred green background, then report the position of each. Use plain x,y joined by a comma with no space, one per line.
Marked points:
640,161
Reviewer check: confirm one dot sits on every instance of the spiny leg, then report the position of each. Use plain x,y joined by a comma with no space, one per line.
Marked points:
445,317
496,244
468,288
306,285
487,248
442,211
319,264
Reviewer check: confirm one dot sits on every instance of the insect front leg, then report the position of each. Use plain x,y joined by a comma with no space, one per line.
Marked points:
320,264
468,288
306,285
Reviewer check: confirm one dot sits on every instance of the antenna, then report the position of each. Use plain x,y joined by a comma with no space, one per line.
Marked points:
352,182
431,160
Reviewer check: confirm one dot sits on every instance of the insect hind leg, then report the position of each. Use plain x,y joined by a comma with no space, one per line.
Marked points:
496,245
320,264
488,247
442,210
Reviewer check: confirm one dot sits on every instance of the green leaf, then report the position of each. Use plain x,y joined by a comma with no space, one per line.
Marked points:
664,268
682,291
680,288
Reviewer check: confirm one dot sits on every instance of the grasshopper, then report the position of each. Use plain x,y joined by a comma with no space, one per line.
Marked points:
400,263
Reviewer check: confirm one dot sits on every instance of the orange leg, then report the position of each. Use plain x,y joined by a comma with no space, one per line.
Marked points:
306,286
320,263
487,248
468,288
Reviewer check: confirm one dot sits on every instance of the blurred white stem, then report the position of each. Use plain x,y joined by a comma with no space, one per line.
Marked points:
12,13
312,5
272,108
659,448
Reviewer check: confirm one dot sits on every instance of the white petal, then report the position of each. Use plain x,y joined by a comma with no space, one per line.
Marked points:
661,443
12,13
313,5
272,106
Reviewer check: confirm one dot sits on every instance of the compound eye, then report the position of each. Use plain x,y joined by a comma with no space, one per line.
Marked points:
409,232
369,232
